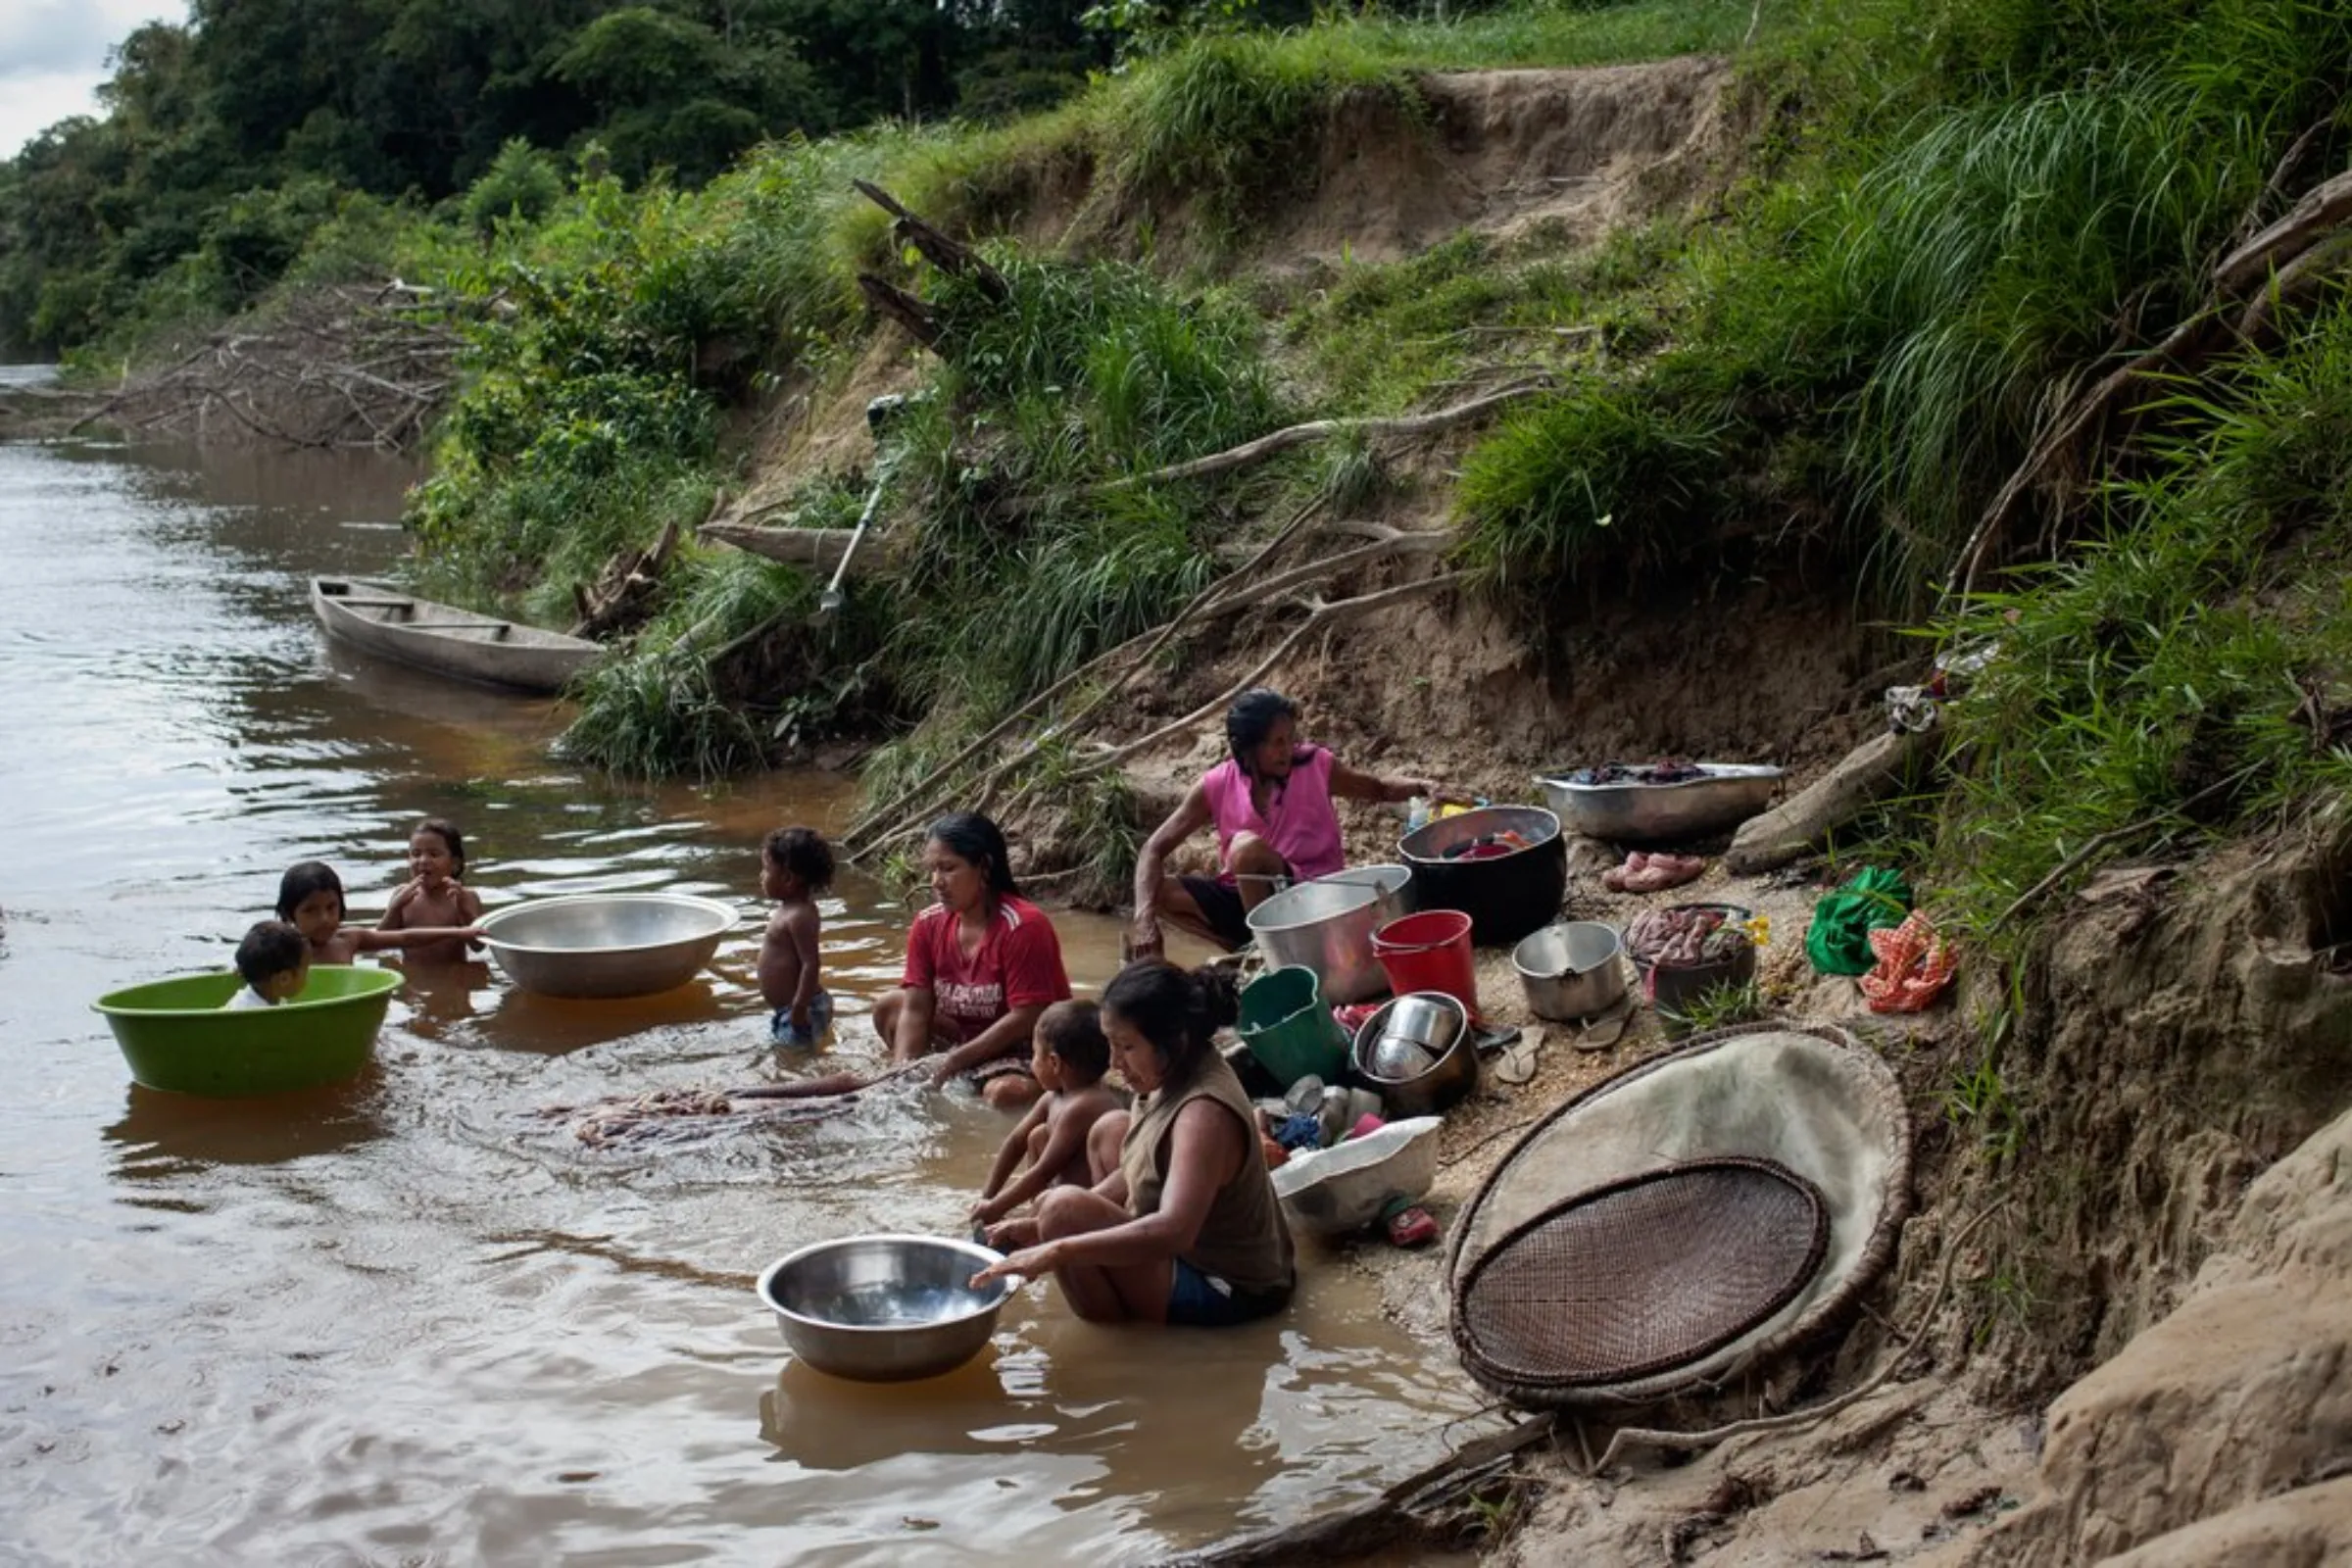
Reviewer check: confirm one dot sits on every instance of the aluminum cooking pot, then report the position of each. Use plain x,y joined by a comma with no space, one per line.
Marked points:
1426,1094
1325,926
1573,971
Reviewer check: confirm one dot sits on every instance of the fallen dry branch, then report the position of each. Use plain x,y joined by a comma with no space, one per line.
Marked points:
1388,1523
948,255
353,366
1230,593
1135,652
819,548
624,594
1401,427
1323,618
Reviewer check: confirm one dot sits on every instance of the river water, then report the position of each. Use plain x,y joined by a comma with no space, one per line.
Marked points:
411,1320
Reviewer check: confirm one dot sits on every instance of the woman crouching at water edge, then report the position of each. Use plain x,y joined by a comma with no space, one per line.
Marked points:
982,963
1183,1225
1271,802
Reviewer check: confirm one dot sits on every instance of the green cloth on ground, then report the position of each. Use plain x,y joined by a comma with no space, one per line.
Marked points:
1838,939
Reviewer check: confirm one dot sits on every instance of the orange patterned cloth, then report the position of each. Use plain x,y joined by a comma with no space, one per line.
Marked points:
1914,967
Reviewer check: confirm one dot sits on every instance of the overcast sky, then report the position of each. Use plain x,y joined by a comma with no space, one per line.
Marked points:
53,57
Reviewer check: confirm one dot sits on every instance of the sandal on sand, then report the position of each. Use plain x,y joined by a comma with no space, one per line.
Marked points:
1653,874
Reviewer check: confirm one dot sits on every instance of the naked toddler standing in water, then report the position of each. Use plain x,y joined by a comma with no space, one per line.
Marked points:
796,864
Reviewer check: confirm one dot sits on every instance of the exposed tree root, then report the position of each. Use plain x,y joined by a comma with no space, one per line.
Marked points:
1403,428
2284,260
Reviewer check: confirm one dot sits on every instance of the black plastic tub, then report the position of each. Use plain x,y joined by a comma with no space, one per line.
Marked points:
1507,896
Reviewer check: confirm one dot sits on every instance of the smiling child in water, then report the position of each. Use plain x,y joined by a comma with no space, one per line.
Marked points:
309,898
433,896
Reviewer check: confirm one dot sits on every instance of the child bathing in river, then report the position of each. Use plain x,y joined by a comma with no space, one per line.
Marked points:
796,864
274,960
1068,1056
433,896
309,898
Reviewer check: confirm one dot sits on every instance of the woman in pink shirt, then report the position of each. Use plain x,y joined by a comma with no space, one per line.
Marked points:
1271,802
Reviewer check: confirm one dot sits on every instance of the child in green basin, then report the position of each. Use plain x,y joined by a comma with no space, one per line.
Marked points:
274,961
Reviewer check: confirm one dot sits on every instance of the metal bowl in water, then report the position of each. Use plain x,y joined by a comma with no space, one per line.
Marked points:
1572,970
885,1308
606,944
1325,926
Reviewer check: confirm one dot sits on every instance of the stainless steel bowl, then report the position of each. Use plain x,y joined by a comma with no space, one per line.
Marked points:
1426,1094
1572,970
1646,813
1327,927
885,1308
605,944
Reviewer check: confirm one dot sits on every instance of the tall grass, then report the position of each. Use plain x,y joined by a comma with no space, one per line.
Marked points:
2165,680
1983,273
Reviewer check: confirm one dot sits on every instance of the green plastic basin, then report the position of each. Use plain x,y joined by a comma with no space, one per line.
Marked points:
175,1034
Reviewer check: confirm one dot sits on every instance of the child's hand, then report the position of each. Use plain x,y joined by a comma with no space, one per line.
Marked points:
1011,1236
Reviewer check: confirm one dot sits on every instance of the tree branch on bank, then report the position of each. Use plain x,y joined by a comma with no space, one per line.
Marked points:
1400,427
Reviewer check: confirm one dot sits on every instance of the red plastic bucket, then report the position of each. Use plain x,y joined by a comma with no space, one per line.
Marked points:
1429,952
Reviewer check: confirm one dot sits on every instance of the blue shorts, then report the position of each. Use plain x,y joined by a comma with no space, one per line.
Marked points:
1204,1301
820,1019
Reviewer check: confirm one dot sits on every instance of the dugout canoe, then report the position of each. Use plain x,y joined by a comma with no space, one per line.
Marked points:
445,640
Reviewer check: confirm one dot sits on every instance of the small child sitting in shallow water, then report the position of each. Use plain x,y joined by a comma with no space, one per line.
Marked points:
1068,1056
796,864
275,962
309,898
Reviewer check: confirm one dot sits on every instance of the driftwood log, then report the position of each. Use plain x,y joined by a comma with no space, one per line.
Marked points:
1803,822
1397,1519
819,548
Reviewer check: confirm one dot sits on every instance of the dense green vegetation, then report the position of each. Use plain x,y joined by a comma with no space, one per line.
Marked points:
229,140
1954,218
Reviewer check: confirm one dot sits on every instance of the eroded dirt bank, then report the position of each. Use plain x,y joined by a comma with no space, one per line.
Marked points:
2136,1346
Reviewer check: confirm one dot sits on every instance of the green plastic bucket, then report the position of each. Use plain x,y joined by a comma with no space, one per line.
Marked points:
1289,1030
176,1035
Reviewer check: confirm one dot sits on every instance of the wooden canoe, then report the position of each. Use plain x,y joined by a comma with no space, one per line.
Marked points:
445,640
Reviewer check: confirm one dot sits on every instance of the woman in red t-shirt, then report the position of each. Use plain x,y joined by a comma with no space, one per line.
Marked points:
981,964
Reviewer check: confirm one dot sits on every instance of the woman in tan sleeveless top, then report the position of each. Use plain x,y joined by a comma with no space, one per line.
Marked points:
1181,1225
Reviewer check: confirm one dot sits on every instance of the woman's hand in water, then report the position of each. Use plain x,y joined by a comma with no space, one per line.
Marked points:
1144,939
988,1211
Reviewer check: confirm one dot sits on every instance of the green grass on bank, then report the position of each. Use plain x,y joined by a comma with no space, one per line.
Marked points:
1950,215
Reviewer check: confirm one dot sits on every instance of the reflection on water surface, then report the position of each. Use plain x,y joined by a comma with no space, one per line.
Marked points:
410,1317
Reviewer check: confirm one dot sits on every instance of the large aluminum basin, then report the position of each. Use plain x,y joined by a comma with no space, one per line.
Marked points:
606,944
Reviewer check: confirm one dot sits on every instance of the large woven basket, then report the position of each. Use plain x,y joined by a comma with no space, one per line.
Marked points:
1587,1270
1643,1275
